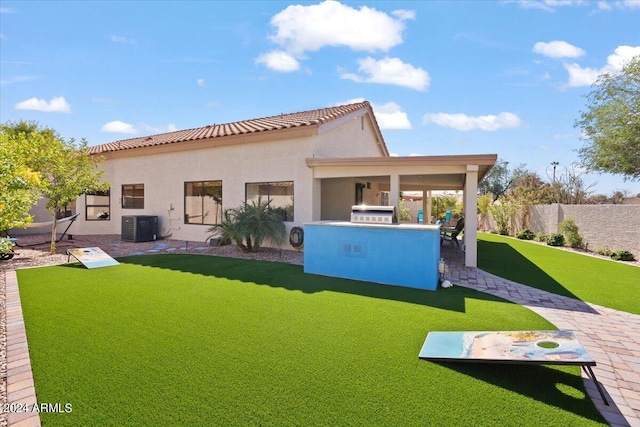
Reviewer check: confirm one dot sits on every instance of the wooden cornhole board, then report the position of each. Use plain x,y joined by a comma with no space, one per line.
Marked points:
91,257
559,347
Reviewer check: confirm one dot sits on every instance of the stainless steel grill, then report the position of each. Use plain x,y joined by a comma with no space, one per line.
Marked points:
364,214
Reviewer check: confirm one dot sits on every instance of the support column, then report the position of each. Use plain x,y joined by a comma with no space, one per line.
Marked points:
428,208
316,199
471,217
394,192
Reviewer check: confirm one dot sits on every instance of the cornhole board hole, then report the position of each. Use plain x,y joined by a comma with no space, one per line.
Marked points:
520,347
91,257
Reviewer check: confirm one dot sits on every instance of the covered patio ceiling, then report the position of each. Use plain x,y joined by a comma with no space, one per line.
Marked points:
416,172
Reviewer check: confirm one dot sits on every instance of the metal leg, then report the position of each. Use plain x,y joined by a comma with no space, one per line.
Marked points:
588,369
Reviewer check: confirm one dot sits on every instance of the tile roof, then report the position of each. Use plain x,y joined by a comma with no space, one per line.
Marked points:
265,124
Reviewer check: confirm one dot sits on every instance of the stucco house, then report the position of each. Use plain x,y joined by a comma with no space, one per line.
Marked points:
313,165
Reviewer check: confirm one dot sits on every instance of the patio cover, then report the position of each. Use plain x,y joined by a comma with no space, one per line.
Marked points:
411,173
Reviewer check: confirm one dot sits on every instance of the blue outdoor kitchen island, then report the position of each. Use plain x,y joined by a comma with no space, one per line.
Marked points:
392,254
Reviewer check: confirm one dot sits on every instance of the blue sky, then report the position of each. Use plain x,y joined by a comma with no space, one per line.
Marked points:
504,77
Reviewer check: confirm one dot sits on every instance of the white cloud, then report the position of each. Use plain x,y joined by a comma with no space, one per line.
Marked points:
389,71
201,83
56,105
465,123
404,14
278,60
7,10
551,5
558,49
548,5
624,4
389,116
117,126
586,76
121,39
301,28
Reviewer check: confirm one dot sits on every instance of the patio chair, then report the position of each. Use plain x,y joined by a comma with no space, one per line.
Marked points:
447,217
451,234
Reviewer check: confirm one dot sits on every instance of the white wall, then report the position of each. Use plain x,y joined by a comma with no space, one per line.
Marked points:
355,137
164,175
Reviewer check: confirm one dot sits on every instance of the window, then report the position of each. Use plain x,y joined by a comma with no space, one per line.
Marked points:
280,194
133,196
98,206
203,202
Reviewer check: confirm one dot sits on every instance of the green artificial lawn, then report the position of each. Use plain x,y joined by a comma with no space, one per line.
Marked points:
598,281
195,340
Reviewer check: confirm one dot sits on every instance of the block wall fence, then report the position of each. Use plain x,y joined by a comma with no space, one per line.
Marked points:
614,226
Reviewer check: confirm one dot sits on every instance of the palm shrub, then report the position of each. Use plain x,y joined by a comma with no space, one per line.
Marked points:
227,229
249,225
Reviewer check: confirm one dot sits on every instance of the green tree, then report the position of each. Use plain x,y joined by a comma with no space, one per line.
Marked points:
404,212
65,168
71,172
503,212
611,123
500,179
441,204
528,190
20,185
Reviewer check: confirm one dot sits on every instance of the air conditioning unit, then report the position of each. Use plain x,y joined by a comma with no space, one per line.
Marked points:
139,228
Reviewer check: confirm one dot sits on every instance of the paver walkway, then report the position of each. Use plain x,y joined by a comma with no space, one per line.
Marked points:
611,337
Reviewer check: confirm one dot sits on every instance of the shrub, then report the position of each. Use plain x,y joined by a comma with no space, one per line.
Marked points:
5,245
250,224
555,239
569,229
604,251
622,256
541,236
502,212
525,235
